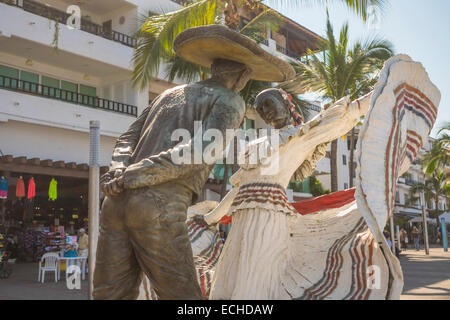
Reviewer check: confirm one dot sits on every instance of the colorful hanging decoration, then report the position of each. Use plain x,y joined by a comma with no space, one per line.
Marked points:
52,190
3,188
296,117
20,188
31,188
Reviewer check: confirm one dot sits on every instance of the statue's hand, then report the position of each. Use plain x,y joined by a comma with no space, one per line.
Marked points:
114,187
199,219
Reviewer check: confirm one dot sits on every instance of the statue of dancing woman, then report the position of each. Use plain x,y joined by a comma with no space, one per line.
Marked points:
276,251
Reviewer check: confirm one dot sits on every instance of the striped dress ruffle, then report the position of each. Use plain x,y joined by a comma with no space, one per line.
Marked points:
262,195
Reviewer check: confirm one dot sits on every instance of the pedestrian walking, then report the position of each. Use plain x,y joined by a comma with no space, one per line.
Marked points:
415,234
403,238
406,239
387,236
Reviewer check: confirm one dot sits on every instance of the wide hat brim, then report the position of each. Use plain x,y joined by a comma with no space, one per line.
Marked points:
201,45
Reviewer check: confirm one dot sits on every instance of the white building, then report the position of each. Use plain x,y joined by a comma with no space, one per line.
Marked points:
55,79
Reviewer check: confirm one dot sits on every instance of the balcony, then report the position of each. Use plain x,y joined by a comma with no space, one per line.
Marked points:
313,107
61,16
37,89
281,49
410,182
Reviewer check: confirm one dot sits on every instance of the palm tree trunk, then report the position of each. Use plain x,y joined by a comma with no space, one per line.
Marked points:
437,210
333,166
352,153
232,18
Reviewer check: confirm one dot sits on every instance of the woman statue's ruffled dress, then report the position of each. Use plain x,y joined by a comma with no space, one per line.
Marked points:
336,250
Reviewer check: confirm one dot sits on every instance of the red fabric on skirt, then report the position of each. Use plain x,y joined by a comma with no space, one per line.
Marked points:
308,206
326,202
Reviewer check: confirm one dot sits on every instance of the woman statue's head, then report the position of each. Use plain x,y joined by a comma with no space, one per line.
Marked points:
275,107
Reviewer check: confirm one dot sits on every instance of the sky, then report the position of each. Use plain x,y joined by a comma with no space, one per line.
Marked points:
419,28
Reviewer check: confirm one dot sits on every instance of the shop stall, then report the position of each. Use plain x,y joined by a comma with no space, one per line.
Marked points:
42,203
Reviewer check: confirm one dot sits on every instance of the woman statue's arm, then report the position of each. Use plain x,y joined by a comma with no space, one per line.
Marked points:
222,208
336,120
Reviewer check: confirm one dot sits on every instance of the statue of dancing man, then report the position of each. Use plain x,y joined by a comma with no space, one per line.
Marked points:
142,228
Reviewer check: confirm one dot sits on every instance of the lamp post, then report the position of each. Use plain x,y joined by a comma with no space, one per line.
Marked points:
94,197
444,235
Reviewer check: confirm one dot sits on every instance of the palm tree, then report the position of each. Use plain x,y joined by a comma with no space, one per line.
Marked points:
155,36
439,156
434,187
341,70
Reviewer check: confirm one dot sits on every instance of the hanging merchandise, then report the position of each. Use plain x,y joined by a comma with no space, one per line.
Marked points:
52,190
20,188
3,188
31,188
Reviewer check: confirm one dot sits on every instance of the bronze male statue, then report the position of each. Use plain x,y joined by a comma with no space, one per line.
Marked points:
142,226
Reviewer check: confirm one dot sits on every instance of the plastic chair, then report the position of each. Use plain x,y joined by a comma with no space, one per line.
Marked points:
51,263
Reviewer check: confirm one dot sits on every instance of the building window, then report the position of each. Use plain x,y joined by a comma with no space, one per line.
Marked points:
31,81
397,197
417,203
355,140
345,186
88,94
344,159
70,90
50,86
8,76
249,124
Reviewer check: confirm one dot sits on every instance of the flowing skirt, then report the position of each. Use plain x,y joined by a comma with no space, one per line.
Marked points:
254,257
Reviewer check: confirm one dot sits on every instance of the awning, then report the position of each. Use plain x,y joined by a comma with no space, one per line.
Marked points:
420,220
49,167
446,216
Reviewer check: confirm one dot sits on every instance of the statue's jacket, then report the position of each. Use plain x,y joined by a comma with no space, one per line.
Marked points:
147,147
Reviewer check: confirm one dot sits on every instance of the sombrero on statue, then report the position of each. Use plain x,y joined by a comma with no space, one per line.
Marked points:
201,45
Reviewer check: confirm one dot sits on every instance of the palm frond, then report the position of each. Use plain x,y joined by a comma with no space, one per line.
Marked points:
256,29
155,37
361,7
177,67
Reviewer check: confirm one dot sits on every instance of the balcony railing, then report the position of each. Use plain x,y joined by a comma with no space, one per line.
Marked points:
65,95
61,16
281,49
314,107
288,52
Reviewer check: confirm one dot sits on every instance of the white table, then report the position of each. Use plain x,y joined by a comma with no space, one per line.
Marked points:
74,260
